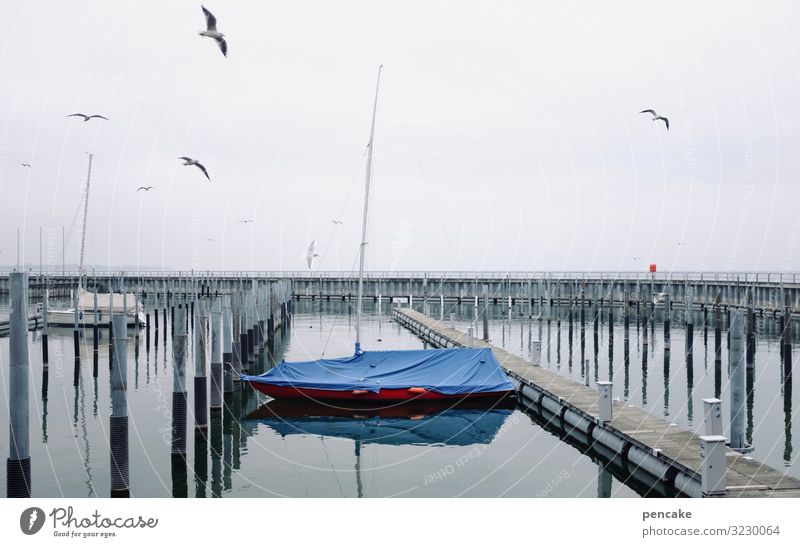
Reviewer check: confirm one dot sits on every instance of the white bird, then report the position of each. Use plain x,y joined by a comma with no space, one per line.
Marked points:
337,221
145,188
87,118
247,221
190,161
656,116
212,32
311,253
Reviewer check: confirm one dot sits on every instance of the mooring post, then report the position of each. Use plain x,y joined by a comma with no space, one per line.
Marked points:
76,344
200,367
787,338
470,339
179,383
120,482
712,466
537,350
737,365
689,312
18,465
237,338
227,345
485,293
45,326
216,357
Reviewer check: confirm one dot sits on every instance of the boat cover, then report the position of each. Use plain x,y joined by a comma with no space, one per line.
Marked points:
455,371
454,427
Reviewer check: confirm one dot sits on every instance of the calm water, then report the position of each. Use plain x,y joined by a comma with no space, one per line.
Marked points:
671,384
252,451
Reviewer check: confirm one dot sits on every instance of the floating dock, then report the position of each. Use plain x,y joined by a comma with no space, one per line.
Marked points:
670,455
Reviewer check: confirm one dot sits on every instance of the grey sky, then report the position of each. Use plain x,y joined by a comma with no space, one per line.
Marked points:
508,133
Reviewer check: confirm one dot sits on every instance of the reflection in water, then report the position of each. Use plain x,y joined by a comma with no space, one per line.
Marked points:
216,454
690,386
626,363
200,463
750,396
666,382
45,385
604,479
787,420
644,376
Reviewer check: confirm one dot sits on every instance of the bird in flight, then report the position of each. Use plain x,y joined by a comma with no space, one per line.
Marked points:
337,221
190,161
28,165
246,221
311,253
212,32
656,116
145,188
87,118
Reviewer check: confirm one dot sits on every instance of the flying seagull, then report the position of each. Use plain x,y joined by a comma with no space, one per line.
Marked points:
656,116
145,188
26,165
212,32
190,161
247,221
337,221
87,118
311,253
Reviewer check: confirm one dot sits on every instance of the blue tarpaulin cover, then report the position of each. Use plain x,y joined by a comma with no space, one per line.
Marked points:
455,371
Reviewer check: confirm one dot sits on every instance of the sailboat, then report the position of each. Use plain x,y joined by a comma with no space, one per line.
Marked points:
381,377
87,302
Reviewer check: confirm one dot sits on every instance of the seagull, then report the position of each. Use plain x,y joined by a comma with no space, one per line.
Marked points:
212,32
656,116
337,221
28,165
190,161
247,221
310,253
87,118
145,188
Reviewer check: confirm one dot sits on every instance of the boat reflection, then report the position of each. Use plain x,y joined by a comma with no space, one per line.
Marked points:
462,424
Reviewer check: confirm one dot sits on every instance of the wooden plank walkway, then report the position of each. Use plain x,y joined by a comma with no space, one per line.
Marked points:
676,447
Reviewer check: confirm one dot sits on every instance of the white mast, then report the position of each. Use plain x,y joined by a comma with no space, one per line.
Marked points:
364,222
83,235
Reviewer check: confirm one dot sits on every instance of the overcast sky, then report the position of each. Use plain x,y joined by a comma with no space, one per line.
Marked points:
508,134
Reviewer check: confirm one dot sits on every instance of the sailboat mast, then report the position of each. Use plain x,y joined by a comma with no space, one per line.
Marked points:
364,221
85,215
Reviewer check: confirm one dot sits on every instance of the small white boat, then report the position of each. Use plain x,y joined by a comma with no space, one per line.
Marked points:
66,318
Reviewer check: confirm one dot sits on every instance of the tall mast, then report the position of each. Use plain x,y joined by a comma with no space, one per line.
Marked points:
85,213
364,222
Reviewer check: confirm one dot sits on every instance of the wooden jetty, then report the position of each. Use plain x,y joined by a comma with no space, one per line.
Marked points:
666,452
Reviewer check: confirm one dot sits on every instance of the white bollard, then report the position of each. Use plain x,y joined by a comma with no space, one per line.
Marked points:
470,340
712,466
537,352
605,391
452,320
712,409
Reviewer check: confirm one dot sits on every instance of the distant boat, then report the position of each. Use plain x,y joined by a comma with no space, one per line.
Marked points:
117,303
66,318
386,377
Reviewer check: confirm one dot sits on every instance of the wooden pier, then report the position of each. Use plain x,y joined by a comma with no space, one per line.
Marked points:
666,452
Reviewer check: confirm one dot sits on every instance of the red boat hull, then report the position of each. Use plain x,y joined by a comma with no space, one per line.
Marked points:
383,396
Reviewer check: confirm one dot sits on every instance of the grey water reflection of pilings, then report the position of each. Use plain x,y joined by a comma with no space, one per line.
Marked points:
120,480
18,465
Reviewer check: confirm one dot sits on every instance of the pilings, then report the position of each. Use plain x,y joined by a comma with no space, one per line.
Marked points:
227,346
215,399
200,367
18,465
736,362
120,480
179,384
